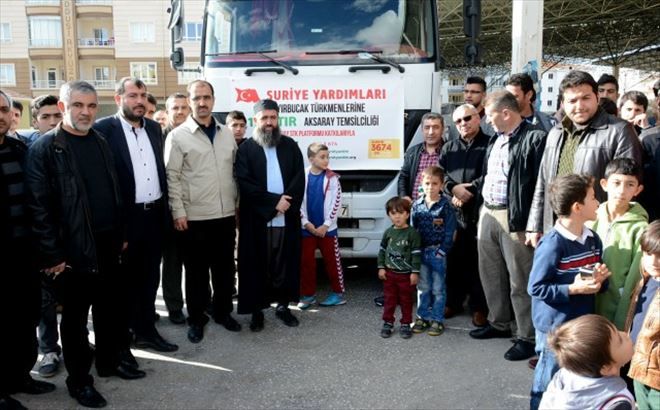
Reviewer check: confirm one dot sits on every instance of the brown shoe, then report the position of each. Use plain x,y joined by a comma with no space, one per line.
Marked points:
479,319
451,312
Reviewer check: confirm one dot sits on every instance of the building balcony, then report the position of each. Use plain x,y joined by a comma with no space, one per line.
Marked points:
96,48
47,84
96,42
94,8
102,84
42,7
45,48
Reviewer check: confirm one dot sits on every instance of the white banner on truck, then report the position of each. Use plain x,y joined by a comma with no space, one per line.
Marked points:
359,118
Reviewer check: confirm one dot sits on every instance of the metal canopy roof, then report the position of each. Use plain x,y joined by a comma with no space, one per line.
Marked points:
625,33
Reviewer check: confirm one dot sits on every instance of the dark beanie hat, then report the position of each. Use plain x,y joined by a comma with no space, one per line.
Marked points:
265,105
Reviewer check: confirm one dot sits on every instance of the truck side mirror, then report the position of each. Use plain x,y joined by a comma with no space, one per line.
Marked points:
176,58
176,22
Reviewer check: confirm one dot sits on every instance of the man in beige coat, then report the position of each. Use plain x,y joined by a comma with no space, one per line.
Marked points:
203,197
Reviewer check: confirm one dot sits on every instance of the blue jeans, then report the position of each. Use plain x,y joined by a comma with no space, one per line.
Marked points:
431,289
545,369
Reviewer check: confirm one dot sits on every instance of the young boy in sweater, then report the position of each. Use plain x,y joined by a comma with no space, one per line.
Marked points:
620,223
566,272
399,260
644,323
319,212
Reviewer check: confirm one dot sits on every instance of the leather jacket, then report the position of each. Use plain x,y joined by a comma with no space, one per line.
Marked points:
606,138
59,204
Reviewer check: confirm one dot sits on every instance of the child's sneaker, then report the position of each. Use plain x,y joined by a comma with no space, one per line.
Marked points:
420,325
333,299
386,331
405,331
306,302
436,328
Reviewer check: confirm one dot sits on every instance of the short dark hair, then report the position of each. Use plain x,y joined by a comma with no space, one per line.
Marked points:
434,171
477,80
17,105
42,101
6,97
577,78
152,99
624,166
236,115
314,148
650,240
567,190
502,99
524,81
636,97
121,84
397,204
608,79
433,116
193,82
582,345
609,106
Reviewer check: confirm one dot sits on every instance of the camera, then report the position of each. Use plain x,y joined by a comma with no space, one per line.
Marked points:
587,271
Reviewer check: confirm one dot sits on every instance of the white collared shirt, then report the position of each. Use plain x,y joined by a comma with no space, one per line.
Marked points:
145,172
586,232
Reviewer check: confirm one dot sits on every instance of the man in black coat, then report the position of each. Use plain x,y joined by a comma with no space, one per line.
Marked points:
137,148
270,173
462,160
76,205
19,283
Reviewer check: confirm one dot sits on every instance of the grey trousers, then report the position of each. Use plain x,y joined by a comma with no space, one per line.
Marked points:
504,266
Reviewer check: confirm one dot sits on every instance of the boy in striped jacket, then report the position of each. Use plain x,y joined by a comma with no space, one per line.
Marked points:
318,213
566,272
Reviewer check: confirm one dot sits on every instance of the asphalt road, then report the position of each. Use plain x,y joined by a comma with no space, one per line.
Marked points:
334,359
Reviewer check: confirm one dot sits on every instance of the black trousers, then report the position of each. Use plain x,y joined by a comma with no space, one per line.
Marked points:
172,269
142,266
276,263
20,300
78,291
209,244
463,272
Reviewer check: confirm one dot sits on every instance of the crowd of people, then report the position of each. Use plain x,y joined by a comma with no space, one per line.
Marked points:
534,222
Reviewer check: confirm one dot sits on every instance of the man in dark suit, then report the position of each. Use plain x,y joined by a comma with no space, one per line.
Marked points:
137,147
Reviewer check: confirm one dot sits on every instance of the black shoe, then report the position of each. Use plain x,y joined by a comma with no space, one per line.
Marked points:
379,301
10,403
156,317
127,359
177,317
387,329
284,314
156,343
257,322
521,350
31,386
489,332
88,396
229,323
123,372
195,333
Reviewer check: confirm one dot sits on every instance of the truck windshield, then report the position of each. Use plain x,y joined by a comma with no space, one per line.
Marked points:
318,32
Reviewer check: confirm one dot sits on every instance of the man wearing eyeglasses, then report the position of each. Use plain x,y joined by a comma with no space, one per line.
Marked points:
462,159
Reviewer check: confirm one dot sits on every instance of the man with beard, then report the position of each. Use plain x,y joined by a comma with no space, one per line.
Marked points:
203,200
76,208
137,147
270,173
19,281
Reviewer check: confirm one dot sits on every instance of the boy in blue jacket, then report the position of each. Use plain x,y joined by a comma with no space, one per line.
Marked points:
566,272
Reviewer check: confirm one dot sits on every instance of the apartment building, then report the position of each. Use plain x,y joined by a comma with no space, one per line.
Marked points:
44,43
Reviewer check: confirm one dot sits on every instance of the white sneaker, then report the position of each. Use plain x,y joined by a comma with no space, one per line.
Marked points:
49,364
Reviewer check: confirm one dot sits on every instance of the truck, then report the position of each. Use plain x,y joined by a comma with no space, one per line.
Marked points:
356,75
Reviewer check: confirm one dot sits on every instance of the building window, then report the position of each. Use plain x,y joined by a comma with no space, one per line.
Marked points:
456,98
185,77
7,75
45,31
551,76
145,71
455,82
143,33
549,89
549,104
192,32
5,33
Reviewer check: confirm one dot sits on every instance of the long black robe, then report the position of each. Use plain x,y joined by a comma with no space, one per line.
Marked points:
257,208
